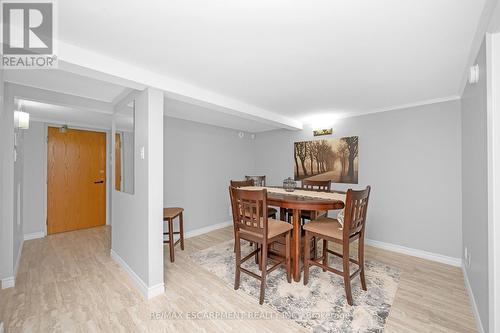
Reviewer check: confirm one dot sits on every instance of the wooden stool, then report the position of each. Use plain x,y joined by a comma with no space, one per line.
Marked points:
169,214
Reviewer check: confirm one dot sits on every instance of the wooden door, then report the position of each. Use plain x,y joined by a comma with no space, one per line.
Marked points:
76,180
118,162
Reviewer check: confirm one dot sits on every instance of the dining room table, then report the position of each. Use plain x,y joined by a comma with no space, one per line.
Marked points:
297,201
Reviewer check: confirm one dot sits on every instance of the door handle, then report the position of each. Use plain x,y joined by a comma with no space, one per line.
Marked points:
99,182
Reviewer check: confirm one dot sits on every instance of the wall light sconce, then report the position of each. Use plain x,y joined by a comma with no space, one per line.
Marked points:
324,131
322,123
474,74
21,120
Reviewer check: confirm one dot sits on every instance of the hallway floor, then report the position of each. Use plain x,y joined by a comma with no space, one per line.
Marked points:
68,283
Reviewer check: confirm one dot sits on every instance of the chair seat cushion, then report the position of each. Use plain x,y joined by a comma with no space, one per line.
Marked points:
275,228
325,226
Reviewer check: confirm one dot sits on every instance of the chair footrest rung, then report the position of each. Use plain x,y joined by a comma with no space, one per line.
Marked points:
328,268
274,267
248,256
168,241
355,273
250,273
341,256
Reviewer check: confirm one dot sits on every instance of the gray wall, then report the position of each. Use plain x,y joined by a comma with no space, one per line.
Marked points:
474,186
6,186
34,178
11,223
407,156
197,158
199,162
136,231
411,158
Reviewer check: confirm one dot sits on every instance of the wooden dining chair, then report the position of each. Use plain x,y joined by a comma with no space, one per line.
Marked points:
330,230
317,185
314,185
271,212
256,227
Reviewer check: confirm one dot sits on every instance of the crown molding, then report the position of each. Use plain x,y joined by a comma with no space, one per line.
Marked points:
403,106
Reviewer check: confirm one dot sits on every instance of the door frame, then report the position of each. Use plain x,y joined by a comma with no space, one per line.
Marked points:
51,123
122,161
493,143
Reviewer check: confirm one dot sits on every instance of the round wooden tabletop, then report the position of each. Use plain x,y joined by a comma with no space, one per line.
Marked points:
294,201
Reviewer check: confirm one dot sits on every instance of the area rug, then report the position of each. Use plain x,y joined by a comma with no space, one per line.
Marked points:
320,306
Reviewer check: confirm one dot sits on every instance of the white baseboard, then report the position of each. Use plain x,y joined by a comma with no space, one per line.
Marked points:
18,260
159,289
206,229
156,290
34,235
8,282
473,304
457,262
147,292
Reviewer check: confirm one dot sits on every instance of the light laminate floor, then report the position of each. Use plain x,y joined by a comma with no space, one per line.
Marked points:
68,282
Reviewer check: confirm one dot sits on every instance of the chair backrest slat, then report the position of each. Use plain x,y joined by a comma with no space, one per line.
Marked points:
242,183
249,210
355,211
318,185
258,180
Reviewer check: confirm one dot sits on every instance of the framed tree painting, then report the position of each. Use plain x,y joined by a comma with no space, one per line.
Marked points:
330,159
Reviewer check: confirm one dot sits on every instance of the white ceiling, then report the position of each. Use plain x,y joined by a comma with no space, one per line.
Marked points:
57,114
182,110
294,58
64,82
79,117
55,82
